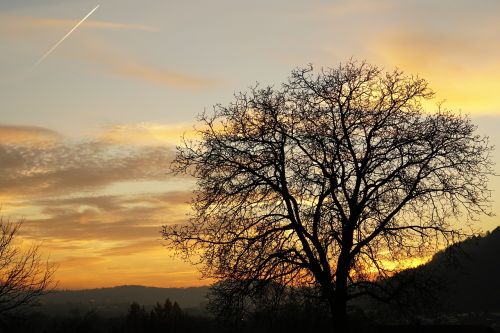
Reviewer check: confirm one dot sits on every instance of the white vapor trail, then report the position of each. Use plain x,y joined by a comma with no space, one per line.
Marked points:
62,39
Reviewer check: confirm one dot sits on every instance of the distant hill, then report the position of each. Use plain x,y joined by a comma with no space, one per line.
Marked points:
116,300
467,275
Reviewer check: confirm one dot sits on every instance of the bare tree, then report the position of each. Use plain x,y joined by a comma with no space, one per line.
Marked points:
327,179
24,275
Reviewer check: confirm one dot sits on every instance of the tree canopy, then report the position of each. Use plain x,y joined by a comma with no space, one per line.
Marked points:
325,179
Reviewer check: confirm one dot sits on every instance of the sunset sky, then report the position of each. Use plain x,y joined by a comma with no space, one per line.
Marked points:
87,135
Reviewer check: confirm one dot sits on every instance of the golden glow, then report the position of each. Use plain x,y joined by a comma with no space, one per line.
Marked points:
466,81
105,264
147,134
404,264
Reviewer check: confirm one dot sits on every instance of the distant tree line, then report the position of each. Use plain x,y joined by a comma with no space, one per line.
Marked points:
166,318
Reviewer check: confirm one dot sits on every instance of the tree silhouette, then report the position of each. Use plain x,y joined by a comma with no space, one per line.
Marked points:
326,180
137,318
24,276
162,318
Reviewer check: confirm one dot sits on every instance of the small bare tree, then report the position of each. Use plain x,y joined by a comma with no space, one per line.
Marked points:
24,275
327,180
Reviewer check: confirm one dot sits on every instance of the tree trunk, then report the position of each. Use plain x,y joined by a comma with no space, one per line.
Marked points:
338,304
337,299
339,315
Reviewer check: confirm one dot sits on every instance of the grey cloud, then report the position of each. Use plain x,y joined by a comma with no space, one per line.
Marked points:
59,181
72,167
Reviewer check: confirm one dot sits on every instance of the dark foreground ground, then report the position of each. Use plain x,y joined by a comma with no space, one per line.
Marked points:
170,318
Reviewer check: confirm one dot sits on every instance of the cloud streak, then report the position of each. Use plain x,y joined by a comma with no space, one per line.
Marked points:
116,63
24,24
93,24
159,76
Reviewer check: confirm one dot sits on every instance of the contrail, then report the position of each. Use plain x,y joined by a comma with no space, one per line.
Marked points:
62,39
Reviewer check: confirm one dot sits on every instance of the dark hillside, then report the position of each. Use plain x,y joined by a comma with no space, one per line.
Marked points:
470,274
459,286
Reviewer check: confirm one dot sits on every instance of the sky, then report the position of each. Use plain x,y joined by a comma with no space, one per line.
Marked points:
87,135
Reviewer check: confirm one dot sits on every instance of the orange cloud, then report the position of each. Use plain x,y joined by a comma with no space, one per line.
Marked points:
158,76
99,241
27,135
107,218
130,248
